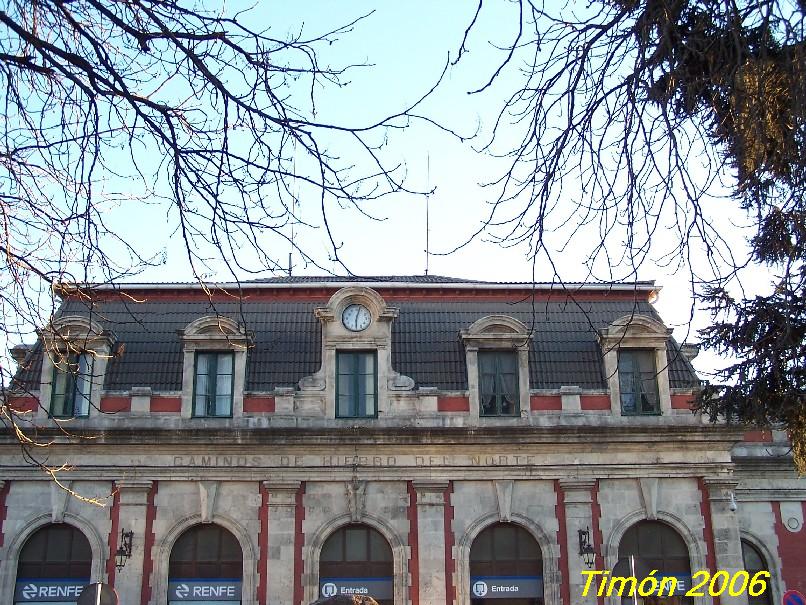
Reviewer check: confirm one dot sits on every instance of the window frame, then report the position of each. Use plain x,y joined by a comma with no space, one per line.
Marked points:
638,381
499,393
72,358
210,402
354,404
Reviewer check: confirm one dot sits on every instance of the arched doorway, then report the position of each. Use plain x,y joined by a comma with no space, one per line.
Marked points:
206,565
506,567
656,545
54,566
357,560
753,563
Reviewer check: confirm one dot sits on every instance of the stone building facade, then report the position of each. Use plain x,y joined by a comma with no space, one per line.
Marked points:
430,440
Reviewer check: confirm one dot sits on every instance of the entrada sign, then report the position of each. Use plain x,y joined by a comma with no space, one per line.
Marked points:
48,591
215,591
379,588
507,587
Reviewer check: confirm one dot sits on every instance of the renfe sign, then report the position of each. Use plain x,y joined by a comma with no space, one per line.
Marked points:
211,591
507,587
379,588
49,591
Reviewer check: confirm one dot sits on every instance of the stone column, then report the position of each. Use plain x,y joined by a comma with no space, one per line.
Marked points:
727,544
282,512
132,517
431,540
578,497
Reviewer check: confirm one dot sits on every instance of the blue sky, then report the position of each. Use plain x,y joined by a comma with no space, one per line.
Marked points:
407,45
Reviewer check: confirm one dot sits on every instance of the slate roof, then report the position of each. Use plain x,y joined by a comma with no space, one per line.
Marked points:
425,341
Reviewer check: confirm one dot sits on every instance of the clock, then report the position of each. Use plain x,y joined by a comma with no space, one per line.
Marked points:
356,317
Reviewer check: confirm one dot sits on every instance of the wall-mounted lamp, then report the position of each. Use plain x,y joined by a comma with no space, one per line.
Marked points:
124,550
586,548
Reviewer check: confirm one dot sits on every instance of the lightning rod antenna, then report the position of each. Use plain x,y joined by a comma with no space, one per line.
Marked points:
427,200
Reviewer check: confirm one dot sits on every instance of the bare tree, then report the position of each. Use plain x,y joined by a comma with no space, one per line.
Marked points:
636,118
111,107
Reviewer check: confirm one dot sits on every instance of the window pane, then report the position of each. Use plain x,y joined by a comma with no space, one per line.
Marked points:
332,550
356,543
752,558
202,363
83,385
224,363
223,385
528,548
379,548
505,547
223,405
207,549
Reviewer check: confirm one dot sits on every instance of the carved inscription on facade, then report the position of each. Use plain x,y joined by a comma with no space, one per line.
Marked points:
483,460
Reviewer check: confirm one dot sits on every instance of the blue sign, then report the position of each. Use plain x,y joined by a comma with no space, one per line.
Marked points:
378,588
507,587
44,590
208,591
682,586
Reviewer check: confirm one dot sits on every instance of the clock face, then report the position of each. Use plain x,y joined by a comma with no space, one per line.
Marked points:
356,318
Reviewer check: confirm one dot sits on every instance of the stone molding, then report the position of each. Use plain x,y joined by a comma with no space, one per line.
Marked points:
430,493
720,489
282,493
577,491
133,493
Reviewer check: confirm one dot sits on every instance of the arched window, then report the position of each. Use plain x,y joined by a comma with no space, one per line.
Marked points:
656,545
506,566
357,560
206,564
56,562
753,563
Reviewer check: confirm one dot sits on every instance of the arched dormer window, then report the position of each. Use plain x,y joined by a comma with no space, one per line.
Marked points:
76,353
635,361
214,368
497,356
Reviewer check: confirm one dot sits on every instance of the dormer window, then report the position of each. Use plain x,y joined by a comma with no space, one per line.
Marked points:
72,385
638,382
497,354
77,350
635,363
214,368
213,384
356,375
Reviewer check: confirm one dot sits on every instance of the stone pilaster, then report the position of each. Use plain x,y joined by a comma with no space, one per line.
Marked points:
727,541
431,540
282,510
578,496
132,517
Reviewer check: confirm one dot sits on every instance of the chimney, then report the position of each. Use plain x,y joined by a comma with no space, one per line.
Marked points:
689,350
19,352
